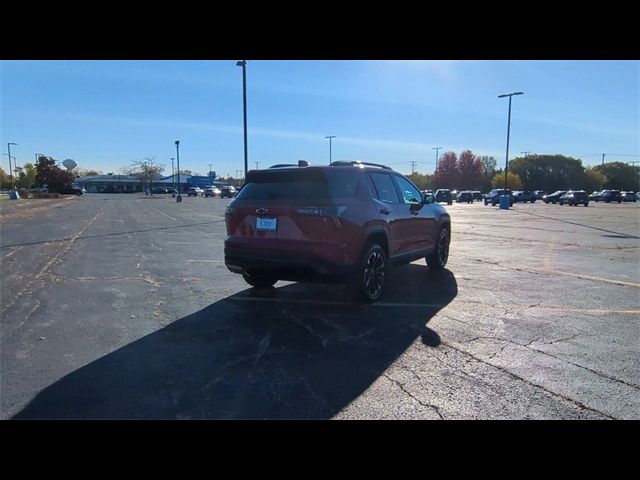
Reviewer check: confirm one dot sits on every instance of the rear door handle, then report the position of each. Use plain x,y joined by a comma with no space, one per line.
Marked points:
385,210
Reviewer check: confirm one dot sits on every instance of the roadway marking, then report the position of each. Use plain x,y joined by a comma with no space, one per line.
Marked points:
158,210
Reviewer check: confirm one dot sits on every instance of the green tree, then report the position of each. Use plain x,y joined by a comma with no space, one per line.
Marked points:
27,176
620,176
422,180
548,172
593,180
513,181
488,171
5,181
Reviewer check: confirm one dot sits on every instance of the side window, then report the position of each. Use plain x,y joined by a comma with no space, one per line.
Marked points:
384,187
410,194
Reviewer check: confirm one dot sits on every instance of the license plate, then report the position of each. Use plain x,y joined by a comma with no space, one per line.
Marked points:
268,224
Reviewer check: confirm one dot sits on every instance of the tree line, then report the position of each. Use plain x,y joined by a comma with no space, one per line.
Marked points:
533,172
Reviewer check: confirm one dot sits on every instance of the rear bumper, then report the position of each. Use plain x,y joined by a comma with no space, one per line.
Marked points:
286,264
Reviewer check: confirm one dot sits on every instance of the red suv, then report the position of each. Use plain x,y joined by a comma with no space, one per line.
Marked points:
346,222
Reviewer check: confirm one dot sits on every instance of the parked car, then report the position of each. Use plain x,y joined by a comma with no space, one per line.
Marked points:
477,195
595,196
629,197
212,191
444,195
161,190
493,197
553,197
539,194
228,191
347,222
194,191
574,197
609,196
524,197
72,190
465,196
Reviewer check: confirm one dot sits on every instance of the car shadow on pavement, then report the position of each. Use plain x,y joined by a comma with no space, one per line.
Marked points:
300,351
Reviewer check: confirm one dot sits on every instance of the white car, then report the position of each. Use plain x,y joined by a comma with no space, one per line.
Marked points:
195,191
212,192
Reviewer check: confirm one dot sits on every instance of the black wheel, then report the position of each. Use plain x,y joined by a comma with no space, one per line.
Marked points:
438,259
259,280
367,280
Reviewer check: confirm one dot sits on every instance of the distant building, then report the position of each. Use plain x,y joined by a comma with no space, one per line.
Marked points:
132,183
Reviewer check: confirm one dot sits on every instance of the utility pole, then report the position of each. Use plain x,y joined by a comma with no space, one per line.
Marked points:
413,166
257,165
436,149
603,155
525,154
210,179
330,137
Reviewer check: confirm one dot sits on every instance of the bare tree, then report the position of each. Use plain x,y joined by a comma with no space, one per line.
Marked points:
146,169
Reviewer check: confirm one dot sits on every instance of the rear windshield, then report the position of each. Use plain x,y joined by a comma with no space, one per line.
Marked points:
303,184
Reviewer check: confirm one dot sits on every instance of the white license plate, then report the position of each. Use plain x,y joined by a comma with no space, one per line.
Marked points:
268,224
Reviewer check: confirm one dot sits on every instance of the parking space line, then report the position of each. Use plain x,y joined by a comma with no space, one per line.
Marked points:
158,210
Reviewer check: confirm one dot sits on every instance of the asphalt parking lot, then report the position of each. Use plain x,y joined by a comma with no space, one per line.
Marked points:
120,306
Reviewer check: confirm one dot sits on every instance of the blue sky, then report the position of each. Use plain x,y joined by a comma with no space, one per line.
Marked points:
107,114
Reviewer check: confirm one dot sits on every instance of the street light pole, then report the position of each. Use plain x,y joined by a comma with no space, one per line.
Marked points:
243,64
330,137
178,197
173,174
10,168
505,204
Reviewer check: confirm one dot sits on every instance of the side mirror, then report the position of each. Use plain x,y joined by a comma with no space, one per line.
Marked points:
429,199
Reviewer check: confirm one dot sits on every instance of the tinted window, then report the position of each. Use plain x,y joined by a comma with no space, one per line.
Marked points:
385,188
303,184
410,194
290,184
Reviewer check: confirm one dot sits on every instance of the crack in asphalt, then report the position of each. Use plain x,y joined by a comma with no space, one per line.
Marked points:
401,386
550,392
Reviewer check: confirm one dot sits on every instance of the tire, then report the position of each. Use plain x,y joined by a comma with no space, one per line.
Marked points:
260,280
366,283
437,260
586,204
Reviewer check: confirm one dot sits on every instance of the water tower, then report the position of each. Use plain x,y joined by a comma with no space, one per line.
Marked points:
69,164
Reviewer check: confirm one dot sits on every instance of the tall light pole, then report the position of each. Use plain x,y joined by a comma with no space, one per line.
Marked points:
505,204
243,64
436,149
178,197
210,180
173,174
257,163
330,137
10,168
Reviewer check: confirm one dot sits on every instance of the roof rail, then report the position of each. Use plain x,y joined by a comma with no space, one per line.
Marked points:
349,163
